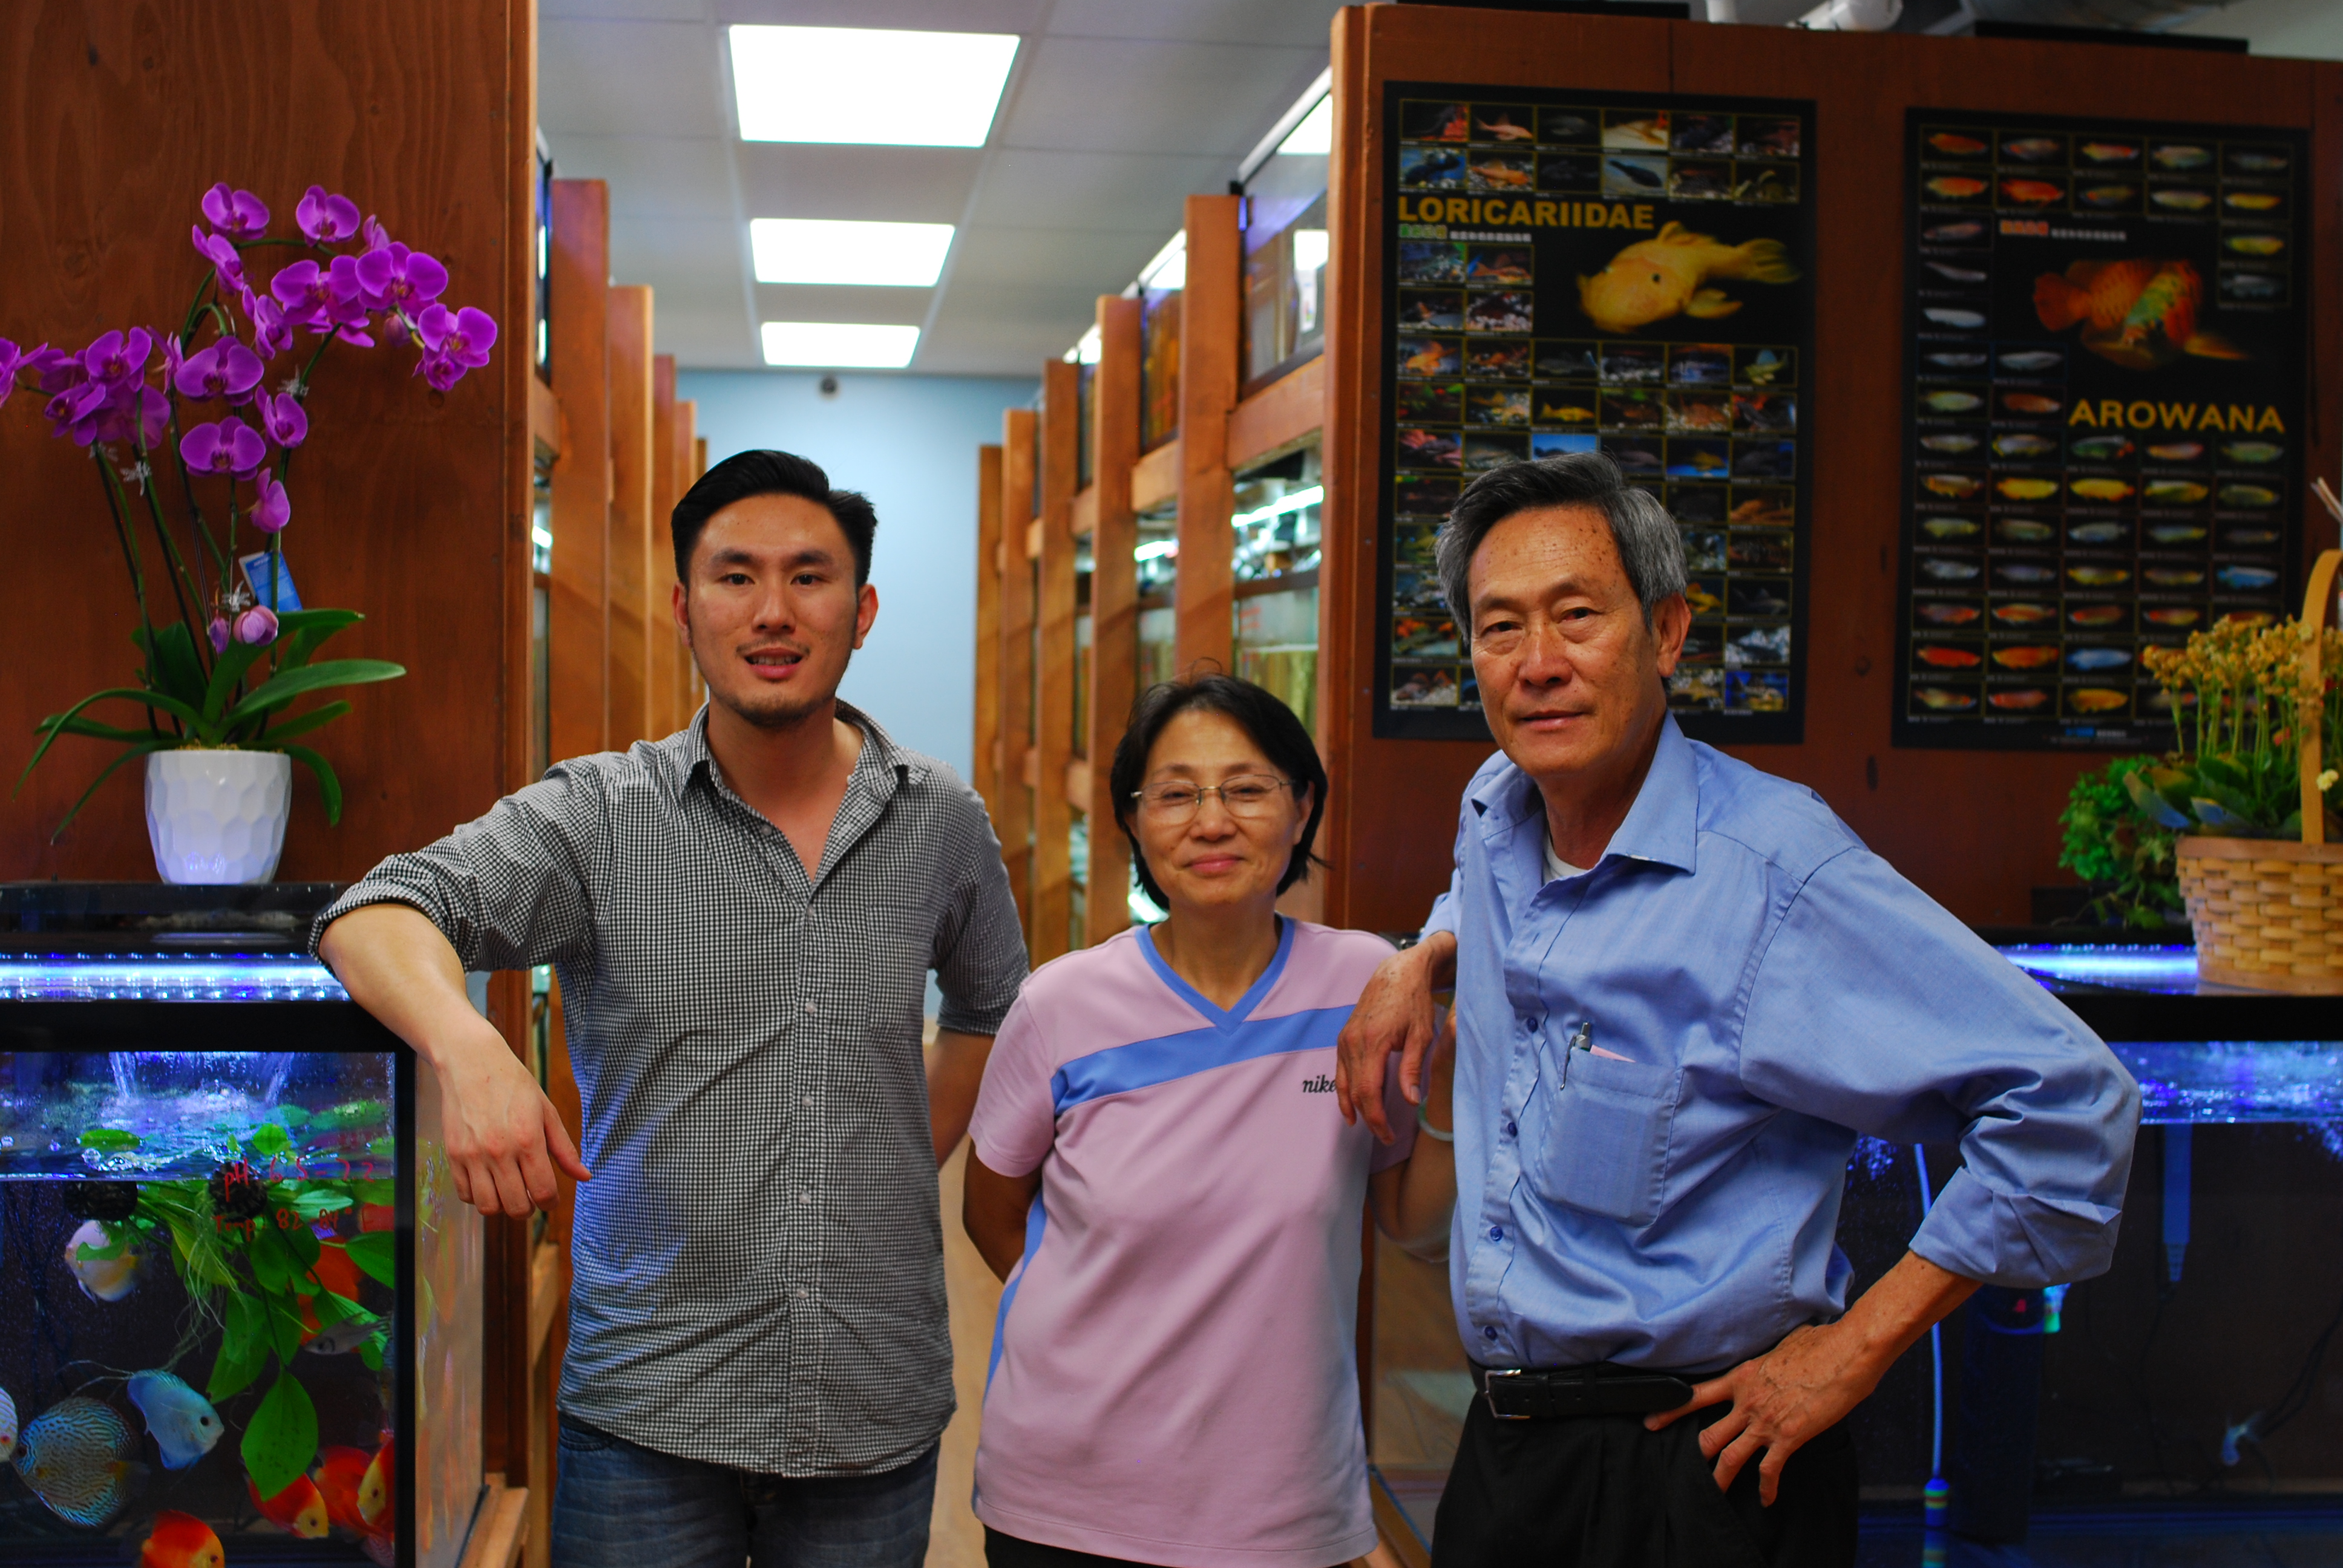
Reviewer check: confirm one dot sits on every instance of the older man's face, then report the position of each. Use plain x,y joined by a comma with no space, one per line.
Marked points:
1571,676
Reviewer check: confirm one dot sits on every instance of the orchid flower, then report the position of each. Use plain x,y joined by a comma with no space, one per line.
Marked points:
13,359
226,369
225,257
228,446
348,303
218,632
270,509
283,418
372,232
326,218
117,356
398,279
237,214
453,341
256,625
271,334
306,292
132,411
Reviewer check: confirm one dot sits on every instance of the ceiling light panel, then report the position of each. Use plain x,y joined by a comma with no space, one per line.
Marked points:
839,344
826,250
815,84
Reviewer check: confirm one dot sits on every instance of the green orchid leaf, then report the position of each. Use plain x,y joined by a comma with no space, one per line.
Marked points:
284,686
243,1350
281,1438
52,727
301,723
143,747
299,634
2152,805
94,730
330,784
227,670
174,660
375,1254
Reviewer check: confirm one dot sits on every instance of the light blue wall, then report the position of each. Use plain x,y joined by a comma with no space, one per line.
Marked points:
908,442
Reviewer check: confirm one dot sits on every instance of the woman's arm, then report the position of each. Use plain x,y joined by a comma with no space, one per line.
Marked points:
993,1209
1413,1198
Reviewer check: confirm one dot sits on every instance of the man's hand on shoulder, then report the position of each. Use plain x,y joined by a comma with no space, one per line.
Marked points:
1394,1013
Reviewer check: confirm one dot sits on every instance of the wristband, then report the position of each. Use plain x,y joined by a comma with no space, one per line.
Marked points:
1423,1124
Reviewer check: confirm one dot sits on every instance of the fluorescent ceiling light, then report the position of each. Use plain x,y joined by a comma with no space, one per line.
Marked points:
1315,136
849,345
1309,249
826,250
1299,500
1085,350
1156,550
871,85
1168,273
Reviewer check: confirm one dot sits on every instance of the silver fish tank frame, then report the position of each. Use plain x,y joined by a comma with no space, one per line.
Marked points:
236,1269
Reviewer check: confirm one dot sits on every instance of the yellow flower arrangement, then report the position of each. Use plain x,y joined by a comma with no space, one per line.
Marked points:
2238,694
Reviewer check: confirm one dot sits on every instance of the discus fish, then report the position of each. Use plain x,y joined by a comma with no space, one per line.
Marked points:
183,1423
377,1488
1945,702
2246,496
2096,699
2018,489
2023,614
1948,614
2252,451
1666,276
1949,571
2109,152
1955,145
2099,657
2031,656
2108,196
1958,487
2096,533
2099,577
2027,360
1949,528
2253,201
181,1541
2095,614
2138,313
339,1477
1957,274
2245,579
2032,149
7,1425
100,1279
2180,198
2255,244
1957,361
1951,402
2173,576
2176,451
2023,446
1968,228
2018,530
1949,657
2030,403
2101,489
2176,534
2031,193
1956,188
2020,572
75,1457
2175,493
1954,443
1961,318
2176,615
2020,699
2180,156
299,1509
2103,449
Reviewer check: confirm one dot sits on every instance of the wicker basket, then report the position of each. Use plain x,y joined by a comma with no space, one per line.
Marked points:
2268,913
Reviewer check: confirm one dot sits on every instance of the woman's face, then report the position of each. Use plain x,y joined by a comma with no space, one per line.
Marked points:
1213,859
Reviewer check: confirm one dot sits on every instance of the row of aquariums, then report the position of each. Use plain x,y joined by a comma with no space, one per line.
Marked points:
244,1319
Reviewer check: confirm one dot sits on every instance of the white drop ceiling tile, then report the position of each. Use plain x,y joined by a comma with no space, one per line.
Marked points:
1026,16
841,302
691,260
1126,192
1305,23
704,338
629,78
652,177
621,10
900,184
1098,261
1196,99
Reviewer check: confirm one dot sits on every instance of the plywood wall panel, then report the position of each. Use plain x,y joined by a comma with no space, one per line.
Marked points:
1053,724
1114,607
1211,339
632,481
1019,446
577,632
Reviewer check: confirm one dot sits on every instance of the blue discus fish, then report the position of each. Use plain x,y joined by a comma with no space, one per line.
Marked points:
183,1422
75,1457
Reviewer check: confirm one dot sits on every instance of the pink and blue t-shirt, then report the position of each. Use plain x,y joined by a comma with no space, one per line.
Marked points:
1173,1376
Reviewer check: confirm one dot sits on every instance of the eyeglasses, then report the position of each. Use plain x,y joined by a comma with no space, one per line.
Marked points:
1247,795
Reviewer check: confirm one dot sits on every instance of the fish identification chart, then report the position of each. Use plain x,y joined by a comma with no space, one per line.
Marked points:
2105,425
1574,272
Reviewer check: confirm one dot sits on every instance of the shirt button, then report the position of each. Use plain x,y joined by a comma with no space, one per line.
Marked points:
805,1197
801,1292
1510,1130
810,1007
808,1102
1489,1333
1496,1232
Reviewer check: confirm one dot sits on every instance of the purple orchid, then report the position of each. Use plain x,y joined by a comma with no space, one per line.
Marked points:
270,509
225,257
271,334
226,369
306,292
453,341
117,356
256,627
349,303
372,232
228,446
218,632
238,215
124,411
326,218
13,359
283,418
398,279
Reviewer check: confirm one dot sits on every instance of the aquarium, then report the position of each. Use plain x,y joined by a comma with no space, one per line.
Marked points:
2185,1406
1275,546
1286,248
245,1320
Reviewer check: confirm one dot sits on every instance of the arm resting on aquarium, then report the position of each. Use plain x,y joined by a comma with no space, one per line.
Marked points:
504,1136
1808,1383
955,1070
993,1209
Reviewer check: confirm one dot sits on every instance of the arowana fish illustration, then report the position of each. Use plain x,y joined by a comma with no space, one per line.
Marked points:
2096,699
1656,278
181,1541
2139,313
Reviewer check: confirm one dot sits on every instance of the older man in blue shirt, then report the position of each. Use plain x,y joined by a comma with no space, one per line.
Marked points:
1683,987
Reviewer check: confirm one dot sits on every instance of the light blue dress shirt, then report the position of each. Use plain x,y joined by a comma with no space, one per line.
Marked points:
1773,987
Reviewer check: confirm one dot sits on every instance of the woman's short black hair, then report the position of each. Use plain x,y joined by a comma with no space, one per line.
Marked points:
1273,727
746,474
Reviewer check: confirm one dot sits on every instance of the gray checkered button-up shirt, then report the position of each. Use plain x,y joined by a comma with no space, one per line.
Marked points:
758,1260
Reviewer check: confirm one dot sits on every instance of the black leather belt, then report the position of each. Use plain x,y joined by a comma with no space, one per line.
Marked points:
1520,1395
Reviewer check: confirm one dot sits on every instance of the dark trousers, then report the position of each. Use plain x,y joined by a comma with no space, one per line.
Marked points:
1600,1492
1016,1552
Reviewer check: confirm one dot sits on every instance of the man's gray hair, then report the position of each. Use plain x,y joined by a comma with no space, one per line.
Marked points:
1641,529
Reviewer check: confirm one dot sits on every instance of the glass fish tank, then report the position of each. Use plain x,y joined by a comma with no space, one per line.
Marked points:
244,1318
2185,1407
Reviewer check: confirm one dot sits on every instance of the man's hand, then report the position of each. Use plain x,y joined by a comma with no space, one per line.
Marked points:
1806,1384
1393,1014
503,1137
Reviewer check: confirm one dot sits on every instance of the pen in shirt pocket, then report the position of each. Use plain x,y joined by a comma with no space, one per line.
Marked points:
1585,1040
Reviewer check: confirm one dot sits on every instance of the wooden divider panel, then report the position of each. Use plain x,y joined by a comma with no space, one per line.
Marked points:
577,631
1114,605
631,512
1211,311
984,760
1053,718
662,654
687,469
1015,816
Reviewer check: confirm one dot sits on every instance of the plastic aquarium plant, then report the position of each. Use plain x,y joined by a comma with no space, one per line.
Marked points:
2124,857
192,432
2238,693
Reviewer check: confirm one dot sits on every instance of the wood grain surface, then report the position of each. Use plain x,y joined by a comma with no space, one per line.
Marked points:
577,632
1053,718
1210,324
1114,607
1015,816
631,514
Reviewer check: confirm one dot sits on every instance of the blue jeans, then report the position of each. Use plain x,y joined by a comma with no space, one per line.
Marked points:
621,1506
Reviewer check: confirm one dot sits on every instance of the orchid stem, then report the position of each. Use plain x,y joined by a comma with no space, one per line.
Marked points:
182,584
138,575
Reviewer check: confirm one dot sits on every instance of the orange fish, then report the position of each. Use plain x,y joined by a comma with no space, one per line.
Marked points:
2096,699
181,1541
1949,658
1956,188
300,1508
1948,614
2031,696
2141,312
1942,700
1656,278
2098,614
2033,192
2174,617
2030,403
2030,658
1959,146
339,1477
377,1487
2022,614
2101,489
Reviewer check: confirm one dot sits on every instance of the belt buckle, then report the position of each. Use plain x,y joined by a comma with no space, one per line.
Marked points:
1489,1376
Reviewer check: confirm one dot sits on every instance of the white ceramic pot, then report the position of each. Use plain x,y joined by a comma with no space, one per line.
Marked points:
218,816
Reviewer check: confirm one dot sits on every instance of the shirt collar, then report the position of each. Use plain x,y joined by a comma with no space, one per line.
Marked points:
1662,825
881,769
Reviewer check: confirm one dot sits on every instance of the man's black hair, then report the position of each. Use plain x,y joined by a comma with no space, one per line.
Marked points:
746,474
1281,736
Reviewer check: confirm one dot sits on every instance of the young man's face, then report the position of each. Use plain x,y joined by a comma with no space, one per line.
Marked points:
771,609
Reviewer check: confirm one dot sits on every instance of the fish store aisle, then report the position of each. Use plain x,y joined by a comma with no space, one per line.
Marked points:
955,1538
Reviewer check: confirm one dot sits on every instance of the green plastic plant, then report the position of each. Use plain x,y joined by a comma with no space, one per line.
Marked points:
2125,857
2241,693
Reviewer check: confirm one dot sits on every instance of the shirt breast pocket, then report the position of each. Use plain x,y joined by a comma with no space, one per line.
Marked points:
1605,1145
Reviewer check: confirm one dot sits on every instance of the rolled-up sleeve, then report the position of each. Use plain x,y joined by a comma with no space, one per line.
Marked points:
508,889
1871,1007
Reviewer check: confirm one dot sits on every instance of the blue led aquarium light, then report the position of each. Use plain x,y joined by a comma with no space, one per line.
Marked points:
167,977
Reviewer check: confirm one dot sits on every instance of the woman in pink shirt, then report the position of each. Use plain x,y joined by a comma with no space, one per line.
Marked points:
1160,1173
